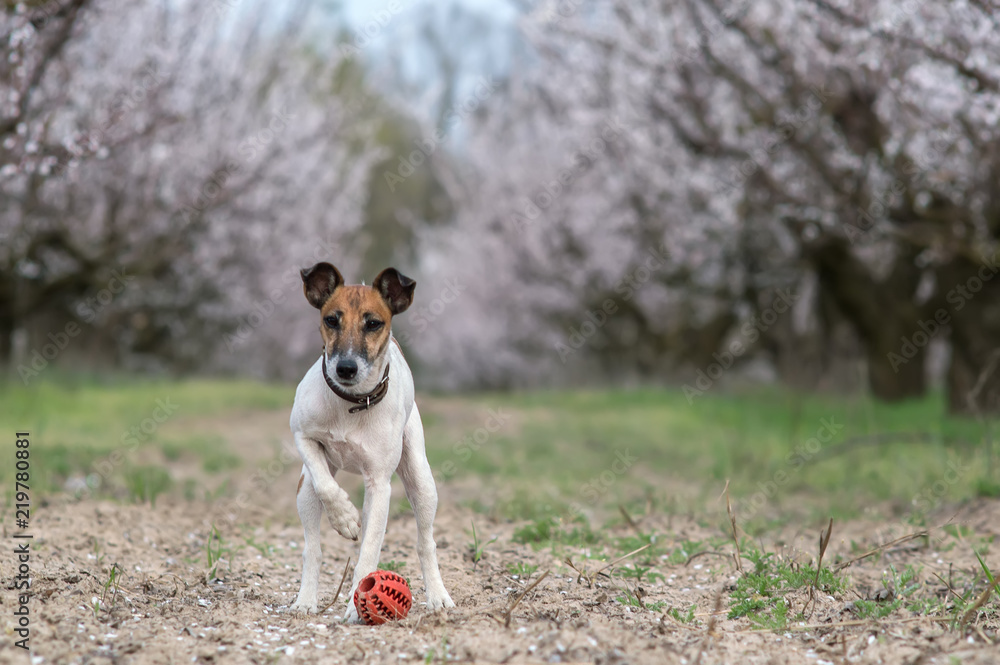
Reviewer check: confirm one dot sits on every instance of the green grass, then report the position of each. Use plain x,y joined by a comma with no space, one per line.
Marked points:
639,573
266,549
216,550
145,483
874,610
91,407
550,531
900,588
109,592
760,593
765,442
683,617
77,421
632,599
903,590
394,566
477,548
521,570
561,453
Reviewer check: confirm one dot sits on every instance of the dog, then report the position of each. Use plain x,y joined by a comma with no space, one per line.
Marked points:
354,411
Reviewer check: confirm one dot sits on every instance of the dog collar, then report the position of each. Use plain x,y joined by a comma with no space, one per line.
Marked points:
365,401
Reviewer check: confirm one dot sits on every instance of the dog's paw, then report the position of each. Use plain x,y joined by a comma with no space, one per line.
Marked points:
303,606
440,600
346,521
351,613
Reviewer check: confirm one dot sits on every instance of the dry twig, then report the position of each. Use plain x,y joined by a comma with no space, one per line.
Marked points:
622,558
883,547
628,518
732,522
510,610
339,587
710,629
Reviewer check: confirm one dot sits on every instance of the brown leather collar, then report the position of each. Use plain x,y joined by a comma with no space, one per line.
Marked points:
365,401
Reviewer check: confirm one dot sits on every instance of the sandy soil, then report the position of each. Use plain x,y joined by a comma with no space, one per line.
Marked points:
169,611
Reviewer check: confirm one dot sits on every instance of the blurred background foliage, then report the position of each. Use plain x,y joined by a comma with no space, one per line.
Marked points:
523,162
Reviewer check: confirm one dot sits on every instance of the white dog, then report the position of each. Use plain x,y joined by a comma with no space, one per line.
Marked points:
354,411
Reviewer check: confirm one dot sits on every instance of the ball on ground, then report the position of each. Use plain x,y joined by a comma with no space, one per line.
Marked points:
382,596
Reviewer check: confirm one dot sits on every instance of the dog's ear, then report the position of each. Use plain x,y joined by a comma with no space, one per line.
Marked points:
319,283
396,289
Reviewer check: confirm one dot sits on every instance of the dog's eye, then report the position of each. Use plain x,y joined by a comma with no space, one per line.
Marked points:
373,325
332,322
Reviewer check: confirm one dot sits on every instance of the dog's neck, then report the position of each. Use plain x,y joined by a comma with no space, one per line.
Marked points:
362,400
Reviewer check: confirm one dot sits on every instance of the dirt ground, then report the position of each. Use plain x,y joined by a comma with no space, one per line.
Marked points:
169,611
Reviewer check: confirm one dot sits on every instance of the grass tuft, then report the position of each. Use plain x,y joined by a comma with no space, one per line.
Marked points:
760,594
145,483
521,570
550,531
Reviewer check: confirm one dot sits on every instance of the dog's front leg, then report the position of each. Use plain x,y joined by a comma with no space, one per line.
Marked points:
340,511
375,516
311,513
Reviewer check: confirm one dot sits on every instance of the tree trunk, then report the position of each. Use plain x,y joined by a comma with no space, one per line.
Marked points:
8,319
6,341
892,376
964,374
883,314
974,372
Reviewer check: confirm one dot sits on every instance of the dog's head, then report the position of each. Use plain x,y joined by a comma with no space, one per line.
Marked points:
355,320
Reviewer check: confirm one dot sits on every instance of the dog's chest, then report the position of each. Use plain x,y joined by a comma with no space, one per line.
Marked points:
345,452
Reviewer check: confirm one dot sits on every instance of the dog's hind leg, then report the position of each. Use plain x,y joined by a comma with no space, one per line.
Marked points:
311,513
418,480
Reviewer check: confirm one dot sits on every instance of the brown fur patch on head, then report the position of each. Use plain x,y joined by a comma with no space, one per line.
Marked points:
355,308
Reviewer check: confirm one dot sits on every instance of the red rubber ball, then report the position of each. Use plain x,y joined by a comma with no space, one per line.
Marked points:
382,596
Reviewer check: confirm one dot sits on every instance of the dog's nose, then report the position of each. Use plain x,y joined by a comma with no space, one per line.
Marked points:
347,369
